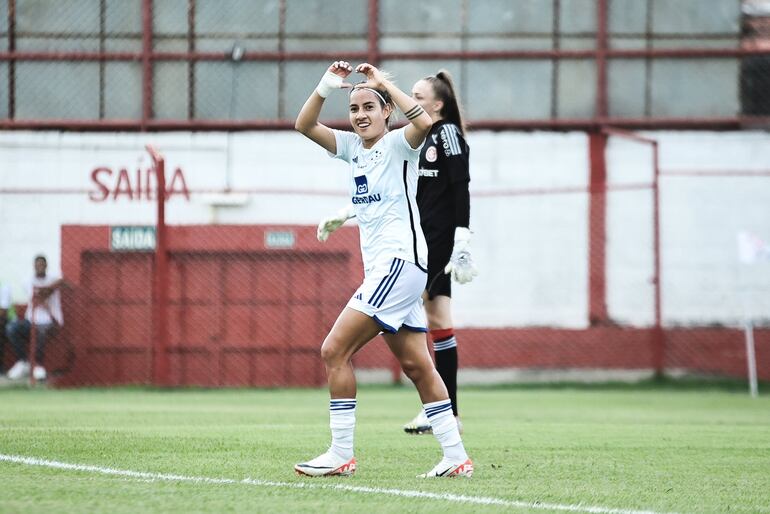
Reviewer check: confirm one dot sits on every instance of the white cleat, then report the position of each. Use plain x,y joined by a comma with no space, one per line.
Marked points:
419,425
39,373
19,370
446,469
328,464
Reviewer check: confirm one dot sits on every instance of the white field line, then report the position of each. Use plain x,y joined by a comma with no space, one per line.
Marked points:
448,497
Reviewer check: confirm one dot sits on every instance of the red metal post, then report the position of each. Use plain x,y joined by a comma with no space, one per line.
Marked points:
601,59
597,230
146,63
373,39
32,343
191,64
583,124
373,51
102,47
160,359
658,335
281,61
12,61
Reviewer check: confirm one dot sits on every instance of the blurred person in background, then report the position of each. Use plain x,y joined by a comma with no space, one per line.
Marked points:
45,313
384,173
443,200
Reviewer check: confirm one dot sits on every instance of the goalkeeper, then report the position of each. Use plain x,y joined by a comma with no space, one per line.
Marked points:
444,203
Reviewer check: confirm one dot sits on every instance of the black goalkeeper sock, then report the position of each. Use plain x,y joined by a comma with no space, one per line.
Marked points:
445,348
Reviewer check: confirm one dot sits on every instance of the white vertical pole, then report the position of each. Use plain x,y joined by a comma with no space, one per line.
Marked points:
751,358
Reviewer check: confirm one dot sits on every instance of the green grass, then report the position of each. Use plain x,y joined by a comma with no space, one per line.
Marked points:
659,449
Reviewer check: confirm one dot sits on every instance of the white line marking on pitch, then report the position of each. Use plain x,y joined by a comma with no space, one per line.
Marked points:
458,498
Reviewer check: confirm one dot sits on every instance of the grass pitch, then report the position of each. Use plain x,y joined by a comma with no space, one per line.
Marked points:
535,450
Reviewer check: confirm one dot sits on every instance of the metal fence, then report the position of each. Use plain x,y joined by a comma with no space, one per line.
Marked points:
604,254
238,64
627,271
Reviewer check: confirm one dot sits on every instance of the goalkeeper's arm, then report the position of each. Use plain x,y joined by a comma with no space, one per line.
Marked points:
333,222
461,265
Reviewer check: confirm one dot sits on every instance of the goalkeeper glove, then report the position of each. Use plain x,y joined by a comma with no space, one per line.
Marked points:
332,223
460,263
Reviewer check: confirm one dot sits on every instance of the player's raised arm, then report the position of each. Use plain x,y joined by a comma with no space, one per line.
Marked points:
307,119
419,121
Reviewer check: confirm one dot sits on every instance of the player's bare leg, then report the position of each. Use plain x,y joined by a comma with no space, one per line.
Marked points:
438,310
439,314
412,353
350,332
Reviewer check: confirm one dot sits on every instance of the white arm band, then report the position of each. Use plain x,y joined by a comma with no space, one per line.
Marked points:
329,82
462,234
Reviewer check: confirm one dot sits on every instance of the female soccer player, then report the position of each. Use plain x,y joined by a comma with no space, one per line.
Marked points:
444,204
383,189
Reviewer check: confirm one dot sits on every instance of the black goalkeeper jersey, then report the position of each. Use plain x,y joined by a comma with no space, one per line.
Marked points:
442,189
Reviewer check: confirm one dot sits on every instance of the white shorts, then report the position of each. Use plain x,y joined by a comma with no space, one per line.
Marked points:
392,295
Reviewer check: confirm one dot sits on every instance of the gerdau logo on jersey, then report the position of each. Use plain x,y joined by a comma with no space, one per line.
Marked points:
362,190
362,187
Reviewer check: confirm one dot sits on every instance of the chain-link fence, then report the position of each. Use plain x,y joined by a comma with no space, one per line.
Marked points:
603,253
595,263
231,64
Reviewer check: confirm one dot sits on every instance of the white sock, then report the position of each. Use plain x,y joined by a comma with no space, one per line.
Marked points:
342,421
445,429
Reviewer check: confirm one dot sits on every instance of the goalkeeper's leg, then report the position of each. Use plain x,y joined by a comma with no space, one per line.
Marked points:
439,313
437,301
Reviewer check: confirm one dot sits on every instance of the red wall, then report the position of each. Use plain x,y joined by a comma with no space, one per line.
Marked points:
242,314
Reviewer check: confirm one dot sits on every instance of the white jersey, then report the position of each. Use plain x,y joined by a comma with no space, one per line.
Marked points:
384,191
48,311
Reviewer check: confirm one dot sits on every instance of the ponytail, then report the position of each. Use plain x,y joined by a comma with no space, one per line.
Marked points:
444,89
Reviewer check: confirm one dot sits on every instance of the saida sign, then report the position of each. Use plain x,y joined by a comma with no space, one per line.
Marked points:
132,239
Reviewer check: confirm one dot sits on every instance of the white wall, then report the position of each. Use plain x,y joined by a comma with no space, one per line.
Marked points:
531,248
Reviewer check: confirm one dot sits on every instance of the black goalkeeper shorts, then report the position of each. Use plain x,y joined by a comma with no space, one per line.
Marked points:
439,283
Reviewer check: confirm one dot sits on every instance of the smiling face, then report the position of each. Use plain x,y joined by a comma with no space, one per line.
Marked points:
368,116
